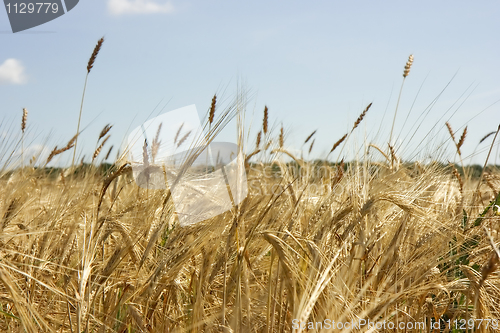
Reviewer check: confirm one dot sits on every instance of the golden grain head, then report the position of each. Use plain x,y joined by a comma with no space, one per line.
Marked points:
361,117
282,137
336,144
450,130
310,136
211,114
181,141
408,66
311,146
265,120
94,54
257,142
98,150
71,142
56,151
145,154
24,120
486,136
108,153
457,176
462,139
178,132
104,131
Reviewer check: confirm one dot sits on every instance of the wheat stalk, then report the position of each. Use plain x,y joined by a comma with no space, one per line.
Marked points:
90,64
356,124
405,74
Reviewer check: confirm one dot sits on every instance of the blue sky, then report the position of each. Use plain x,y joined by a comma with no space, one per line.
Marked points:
316,65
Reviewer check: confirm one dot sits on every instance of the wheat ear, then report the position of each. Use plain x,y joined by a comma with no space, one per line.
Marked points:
457,176
108,153
104,131
257,142
181,141
156,143
311,146
450,130
461,141
178,132
24,120
265,120
211,114
336,144
282,137
310,136
98,150
486,137
361,116
56,151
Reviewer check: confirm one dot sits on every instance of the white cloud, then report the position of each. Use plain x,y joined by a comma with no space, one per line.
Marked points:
12,72
120,7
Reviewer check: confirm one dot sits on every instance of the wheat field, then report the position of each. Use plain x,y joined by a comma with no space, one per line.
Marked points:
316,246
